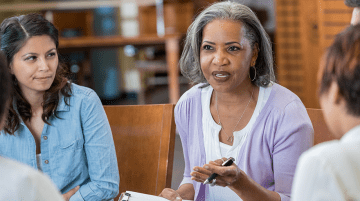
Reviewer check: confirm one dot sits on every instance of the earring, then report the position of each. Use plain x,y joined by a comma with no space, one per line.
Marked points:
252,67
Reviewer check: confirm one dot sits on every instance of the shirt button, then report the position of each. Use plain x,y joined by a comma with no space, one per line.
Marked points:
45,137
46,161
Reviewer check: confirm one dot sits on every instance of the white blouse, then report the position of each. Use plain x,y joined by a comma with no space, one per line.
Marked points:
214,149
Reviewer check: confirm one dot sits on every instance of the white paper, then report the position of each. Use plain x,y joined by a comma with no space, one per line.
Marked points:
135,196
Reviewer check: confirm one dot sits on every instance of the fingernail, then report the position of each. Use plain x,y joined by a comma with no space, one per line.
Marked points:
206,167
178,198
194,175
196,169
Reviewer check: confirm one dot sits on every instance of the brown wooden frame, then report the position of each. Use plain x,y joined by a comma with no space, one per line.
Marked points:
144,137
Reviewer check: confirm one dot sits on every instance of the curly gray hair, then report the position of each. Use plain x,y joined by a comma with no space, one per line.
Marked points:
352,3
254,32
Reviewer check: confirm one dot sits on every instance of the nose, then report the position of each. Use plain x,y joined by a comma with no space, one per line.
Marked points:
220,58
43,65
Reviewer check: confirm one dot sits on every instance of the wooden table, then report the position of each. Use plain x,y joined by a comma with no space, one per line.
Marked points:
172,43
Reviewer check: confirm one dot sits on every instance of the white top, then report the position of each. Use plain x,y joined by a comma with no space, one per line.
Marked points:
19,182
330,170
38,162
214,149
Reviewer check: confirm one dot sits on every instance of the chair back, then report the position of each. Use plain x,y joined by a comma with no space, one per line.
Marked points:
321,131
144,137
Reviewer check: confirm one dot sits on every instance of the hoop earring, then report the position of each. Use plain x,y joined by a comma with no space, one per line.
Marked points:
252,80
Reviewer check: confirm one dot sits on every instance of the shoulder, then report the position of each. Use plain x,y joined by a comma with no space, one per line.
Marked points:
284,102
285,113
326,151
188,106
280,97
80,97
19,174
24,182
81,91
193,93
190,97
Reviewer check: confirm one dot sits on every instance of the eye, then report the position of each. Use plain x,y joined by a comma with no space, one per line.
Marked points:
207,47
30,58
233,48
51,54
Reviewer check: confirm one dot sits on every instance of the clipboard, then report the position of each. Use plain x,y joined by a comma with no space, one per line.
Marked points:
135,196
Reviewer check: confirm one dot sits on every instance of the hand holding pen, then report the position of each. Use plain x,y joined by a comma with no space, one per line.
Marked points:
225,175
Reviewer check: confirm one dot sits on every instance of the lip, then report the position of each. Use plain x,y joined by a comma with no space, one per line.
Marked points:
221,76
42,78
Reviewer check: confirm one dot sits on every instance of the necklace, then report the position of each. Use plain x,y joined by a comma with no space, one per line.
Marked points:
231,138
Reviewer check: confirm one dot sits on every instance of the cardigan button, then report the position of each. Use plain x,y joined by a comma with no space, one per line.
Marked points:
45,137
46,161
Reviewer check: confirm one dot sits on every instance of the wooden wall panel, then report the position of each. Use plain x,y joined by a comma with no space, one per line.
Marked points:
304,29
309,39
334,16
290,69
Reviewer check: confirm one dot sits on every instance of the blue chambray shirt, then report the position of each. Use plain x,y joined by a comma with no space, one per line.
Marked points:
77,149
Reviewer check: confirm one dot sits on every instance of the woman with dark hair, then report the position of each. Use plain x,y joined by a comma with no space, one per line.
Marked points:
236,110
54,125
330,170
19,181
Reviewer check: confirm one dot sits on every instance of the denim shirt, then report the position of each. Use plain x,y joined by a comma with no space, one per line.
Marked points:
76,149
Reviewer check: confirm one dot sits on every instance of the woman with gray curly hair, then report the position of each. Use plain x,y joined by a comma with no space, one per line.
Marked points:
355,18
236,110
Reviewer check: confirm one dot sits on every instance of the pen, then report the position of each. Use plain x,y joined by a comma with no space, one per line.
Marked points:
228,162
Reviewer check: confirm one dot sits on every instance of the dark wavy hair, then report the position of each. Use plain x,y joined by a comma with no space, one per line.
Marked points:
5,86
341,64
14,32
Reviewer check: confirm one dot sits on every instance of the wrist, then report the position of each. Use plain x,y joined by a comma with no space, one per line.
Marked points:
241,182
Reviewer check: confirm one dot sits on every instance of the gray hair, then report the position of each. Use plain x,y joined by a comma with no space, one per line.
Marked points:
254,32
352,3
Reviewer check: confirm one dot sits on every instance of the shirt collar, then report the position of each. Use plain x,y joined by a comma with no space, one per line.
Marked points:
352,135
62,105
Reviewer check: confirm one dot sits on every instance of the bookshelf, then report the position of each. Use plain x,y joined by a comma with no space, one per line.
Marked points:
172,48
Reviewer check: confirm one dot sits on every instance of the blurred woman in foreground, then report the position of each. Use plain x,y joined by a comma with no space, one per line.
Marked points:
331,170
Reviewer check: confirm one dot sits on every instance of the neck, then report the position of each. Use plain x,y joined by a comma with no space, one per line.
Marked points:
348,122
233,98
35,99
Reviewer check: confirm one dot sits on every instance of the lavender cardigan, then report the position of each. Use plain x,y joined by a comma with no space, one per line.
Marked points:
269,155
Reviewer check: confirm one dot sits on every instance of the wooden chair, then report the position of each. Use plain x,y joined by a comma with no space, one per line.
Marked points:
144,137
321,131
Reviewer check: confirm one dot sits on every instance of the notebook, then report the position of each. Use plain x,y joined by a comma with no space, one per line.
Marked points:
135,196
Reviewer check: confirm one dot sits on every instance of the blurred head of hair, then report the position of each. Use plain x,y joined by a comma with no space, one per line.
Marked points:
341,64
352,3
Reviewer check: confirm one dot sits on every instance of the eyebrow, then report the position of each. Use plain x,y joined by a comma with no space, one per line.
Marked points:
228,43
31,53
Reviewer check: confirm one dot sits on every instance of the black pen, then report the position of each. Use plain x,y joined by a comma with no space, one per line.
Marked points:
228,162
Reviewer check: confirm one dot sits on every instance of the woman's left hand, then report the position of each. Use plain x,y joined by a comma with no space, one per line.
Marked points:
227,175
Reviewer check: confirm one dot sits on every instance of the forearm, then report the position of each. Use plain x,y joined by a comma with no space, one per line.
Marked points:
186,191
248,190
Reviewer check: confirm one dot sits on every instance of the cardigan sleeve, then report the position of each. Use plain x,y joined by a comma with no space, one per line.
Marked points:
293,136
181,113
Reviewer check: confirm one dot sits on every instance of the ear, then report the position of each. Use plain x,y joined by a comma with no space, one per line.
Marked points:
255,54
11,69
334,94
